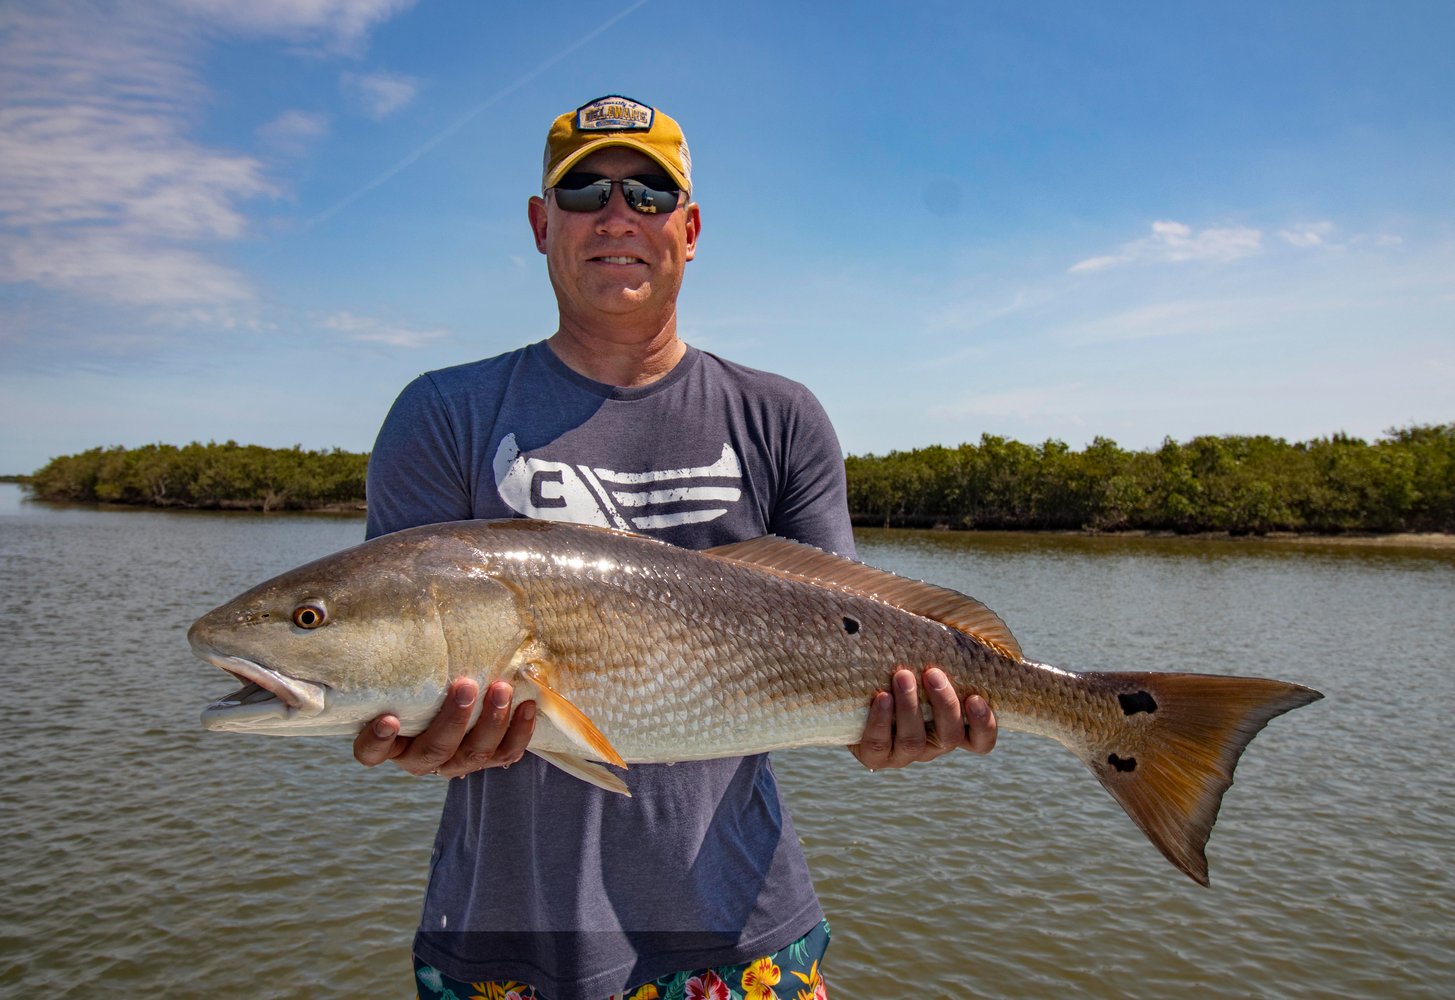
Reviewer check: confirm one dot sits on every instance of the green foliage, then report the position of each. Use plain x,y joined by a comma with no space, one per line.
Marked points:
1245,485
206,475
1242,485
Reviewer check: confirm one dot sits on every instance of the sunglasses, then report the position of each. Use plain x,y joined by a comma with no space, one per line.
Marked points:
649,194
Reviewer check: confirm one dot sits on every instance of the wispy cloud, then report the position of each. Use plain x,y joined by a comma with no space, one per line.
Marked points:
1023,403
370,330
294,131
380,94
1176,242
1031,351
339,26
1315,234
106,191
420,151
1178,317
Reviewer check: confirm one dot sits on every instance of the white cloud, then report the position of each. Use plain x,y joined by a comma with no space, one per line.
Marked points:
1154,319
103,191
230,318
1098,263
117,268
1176,242
106,192
340,25
294,131
380,94
370,330
1314,235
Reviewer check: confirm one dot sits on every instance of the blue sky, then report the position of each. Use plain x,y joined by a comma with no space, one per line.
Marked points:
1039,219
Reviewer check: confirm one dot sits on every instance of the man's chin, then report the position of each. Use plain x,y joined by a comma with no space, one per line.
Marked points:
624,299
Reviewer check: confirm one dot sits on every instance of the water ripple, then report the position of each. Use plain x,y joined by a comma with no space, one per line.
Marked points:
144,856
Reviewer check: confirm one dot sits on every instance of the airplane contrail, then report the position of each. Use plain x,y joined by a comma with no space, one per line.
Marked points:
466,118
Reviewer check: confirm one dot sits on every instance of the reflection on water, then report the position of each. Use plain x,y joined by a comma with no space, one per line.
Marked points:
145,856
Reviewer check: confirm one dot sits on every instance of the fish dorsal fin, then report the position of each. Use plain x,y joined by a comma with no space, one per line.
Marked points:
814,565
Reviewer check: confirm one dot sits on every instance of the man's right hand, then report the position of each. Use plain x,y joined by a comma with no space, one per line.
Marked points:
449,746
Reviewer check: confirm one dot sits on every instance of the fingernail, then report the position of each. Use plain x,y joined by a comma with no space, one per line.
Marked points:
383,730
904,681
499,696
882,701
465,695
527,711
936,680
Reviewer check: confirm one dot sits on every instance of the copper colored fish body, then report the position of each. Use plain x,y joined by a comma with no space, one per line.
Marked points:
638,651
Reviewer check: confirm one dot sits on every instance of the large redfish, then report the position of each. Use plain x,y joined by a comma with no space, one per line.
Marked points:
638,651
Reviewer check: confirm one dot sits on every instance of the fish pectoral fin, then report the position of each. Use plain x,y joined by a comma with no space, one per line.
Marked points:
578,767
569,719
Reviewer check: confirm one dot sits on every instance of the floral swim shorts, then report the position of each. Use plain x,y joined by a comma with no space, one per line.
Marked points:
791,973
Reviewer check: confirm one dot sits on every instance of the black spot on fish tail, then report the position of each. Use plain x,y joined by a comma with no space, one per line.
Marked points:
851,625
1122,764
1140,701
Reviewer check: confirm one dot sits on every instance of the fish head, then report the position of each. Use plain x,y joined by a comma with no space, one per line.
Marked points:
332,644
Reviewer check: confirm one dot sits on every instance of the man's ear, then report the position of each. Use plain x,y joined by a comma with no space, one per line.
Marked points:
536,208
694,227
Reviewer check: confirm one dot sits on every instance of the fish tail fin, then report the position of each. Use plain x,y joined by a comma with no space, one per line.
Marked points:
1171,761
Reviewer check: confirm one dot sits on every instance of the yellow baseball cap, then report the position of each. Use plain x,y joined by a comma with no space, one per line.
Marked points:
616,121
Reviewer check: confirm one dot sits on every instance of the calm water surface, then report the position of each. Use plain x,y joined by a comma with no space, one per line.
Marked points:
143,856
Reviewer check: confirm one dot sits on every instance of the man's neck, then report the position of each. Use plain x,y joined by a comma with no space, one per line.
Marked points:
618,360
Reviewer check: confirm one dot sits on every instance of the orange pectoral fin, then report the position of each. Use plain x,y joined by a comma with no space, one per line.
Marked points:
569,719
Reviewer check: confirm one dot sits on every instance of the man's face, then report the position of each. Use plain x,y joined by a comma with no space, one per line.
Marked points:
615,262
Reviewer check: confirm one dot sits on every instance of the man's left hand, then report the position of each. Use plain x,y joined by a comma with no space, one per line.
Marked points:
895,734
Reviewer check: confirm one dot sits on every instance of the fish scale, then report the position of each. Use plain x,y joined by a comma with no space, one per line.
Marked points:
695,685
637,651
800,657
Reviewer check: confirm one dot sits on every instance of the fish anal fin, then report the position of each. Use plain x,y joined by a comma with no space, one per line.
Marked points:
805,562
569,719
579,767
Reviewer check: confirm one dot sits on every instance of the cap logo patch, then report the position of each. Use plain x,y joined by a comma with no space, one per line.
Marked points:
613,114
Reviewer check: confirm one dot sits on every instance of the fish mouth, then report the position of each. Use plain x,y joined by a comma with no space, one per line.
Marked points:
267,695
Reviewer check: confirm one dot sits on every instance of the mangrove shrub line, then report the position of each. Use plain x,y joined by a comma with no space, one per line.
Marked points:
206,475
1245,485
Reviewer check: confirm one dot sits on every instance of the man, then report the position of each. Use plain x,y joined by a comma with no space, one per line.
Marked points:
540,880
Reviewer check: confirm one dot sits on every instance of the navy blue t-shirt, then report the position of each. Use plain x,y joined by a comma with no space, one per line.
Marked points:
539,876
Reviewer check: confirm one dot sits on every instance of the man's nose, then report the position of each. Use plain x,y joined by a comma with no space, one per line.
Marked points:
616,215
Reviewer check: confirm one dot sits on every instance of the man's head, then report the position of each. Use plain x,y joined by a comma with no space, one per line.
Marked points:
615,219
616,121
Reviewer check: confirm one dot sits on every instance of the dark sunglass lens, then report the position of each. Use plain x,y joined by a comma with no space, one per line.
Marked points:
575,195
582,192
581,200
649,195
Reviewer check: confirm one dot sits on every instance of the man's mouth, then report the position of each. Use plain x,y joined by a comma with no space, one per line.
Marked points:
620,260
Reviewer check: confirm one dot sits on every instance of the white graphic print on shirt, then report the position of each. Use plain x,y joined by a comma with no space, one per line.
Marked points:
637,501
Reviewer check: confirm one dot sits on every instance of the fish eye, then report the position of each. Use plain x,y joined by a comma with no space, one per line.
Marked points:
309,615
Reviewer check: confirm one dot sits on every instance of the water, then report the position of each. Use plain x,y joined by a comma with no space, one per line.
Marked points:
143,856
